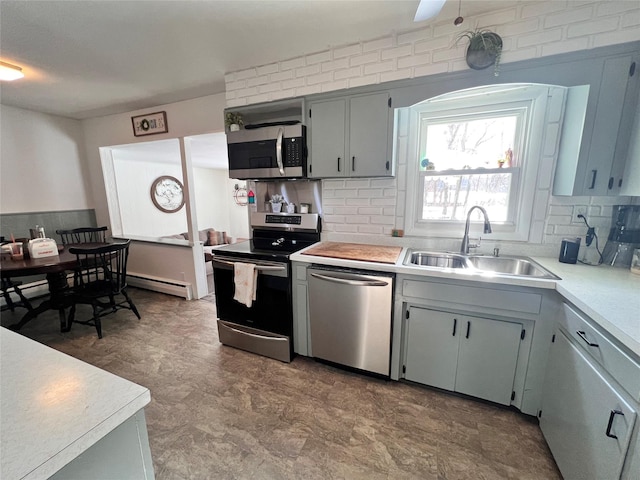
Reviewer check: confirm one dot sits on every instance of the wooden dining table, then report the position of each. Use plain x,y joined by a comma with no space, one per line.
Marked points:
55,269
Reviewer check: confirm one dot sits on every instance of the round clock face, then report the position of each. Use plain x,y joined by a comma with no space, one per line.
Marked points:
166,194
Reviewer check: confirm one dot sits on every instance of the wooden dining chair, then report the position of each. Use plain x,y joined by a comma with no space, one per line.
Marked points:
101,277
13,286
83,235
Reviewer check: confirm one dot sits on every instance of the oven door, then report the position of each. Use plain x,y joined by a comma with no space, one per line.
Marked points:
267,326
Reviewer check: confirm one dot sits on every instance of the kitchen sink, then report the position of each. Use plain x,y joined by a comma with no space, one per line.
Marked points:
436,259
504,266
517,266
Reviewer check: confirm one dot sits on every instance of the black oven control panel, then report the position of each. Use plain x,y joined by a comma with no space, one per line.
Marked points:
286,219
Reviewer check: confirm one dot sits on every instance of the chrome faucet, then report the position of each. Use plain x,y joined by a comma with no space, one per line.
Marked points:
464,248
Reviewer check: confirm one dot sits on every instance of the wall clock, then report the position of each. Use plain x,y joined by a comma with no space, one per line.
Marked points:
167,194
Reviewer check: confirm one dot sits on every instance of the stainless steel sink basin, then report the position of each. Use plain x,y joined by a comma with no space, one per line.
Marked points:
504,266
436,259
516,266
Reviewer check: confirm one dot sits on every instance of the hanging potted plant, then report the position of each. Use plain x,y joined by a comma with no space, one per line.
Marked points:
484,50
233,121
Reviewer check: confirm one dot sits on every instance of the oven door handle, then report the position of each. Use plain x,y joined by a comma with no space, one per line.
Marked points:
265,268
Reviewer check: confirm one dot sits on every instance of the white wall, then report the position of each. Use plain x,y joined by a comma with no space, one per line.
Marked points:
41,163
191,117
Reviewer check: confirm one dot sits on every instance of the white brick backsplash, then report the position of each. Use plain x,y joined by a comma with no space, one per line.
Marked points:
414,36
369,208
292,64
353,72
357,183
555,210
613,38
373,57
320,78
280,76
573,15
335,65
541,9
374,229
631,20
387,66
347,51
565,47
547,36
378,44
402,51
395,75
432,44
364,80
337,85
414,60
357,201
267,69
318,57
427,70
307,71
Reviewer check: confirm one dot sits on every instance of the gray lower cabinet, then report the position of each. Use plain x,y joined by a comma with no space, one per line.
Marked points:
590,401
471,355
585,420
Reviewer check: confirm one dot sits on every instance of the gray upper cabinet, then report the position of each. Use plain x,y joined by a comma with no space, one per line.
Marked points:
604,147
351,136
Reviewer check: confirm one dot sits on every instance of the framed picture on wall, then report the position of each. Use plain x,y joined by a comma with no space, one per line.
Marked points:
150,124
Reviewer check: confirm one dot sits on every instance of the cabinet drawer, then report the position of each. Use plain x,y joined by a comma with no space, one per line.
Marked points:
474,296
618,364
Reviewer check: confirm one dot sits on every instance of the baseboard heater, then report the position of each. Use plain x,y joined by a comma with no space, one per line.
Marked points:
30,290
159,284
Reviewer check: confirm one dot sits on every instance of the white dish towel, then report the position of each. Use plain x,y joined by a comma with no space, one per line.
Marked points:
245,279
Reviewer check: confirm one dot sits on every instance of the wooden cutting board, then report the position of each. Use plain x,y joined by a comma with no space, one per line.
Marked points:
356,251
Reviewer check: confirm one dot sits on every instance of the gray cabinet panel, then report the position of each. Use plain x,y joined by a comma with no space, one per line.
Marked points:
369,135
579,408
327,132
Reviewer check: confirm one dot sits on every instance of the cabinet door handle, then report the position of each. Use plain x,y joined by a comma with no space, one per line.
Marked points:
594,174
455,324
338,163
610,183
468,329
612,415
353,164
583,336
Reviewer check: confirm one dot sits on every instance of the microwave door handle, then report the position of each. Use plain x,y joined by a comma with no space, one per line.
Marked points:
279,151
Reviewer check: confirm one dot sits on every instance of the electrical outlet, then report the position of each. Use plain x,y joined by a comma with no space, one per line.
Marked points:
577,211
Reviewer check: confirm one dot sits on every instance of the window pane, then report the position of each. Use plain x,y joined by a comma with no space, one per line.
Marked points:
469,144
448,197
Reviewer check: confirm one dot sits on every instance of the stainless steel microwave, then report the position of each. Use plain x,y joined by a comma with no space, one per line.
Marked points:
270,152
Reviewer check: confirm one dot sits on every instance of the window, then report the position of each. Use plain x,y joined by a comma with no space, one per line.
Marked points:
477,147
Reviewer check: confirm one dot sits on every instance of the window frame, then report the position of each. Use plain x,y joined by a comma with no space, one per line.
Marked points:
533,98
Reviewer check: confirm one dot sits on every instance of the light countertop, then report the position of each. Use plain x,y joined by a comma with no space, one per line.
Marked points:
609,296
53,407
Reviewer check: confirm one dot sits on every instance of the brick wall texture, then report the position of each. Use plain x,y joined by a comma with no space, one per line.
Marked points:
370,207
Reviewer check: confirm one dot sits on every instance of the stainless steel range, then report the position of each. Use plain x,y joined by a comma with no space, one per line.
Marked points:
266,327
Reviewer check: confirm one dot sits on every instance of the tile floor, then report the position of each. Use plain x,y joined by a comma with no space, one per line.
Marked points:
217,412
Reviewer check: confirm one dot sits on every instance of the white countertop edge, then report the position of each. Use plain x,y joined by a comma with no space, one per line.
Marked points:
564,286
86,441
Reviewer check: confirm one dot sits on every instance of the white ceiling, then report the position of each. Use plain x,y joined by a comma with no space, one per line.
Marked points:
84,59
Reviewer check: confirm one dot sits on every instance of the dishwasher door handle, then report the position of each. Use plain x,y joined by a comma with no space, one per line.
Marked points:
348,281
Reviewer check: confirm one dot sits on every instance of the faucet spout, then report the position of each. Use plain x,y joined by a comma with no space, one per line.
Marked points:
464,248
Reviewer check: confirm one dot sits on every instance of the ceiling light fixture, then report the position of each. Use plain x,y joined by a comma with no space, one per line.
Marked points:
10,72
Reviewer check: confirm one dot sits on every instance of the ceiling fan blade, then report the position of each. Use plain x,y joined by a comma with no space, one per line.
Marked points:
428,9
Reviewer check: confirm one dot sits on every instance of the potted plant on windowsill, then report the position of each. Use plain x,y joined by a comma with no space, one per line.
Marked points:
233,121
484,49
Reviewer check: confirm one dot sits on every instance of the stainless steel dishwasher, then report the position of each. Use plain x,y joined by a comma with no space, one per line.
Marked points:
350,317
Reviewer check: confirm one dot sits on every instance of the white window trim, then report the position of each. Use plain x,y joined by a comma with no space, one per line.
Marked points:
535,130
